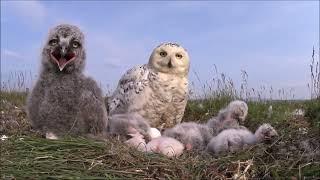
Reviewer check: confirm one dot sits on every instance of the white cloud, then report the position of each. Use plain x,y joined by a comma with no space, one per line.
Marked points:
6,53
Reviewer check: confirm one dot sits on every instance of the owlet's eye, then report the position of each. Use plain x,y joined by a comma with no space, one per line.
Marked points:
53,42
75,44
163,54
179,56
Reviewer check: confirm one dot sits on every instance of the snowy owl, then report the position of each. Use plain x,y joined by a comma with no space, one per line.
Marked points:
157,90
63,100
232,140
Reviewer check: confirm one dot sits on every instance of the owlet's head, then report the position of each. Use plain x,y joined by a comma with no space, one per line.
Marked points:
265,133
170,58
64,49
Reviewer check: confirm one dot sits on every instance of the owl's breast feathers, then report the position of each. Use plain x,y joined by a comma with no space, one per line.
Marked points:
142,89
131,84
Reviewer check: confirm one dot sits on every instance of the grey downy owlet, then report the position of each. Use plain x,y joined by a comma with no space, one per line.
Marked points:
63,100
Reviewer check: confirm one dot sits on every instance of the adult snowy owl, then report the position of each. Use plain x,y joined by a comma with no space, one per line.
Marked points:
157,90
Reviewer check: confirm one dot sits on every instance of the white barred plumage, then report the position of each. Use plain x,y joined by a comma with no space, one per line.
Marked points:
157,90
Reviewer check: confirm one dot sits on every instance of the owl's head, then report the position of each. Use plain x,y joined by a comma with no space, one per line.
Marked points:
170,58
64,49
238,110
266,133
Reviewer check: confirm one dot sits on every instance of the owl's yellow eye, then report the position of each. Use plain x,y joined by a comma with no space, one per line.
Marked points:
75,44
163,54
53,42
179,56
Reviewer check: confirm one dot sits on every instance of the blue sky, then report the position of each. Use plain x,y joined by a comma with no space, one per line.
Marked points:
272,41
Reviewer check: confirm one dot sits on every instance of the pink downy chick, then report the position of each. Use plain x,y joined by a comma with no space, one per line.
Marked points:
165,145
137,141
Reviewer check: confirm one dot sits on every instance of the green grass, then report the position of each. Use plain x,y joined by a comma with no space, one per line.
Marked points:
313,113
26,155
14,97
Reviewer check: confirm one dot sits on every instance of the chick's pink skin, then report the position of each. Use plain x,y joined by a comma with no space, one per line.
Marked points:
165,145
137,141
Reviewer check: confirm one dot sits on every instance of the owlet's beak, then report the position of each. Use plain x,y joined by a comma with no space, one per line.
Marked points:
62,56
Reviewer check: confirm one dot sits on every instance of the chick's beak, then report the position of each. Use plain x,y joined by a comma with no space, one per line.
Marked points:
63,51
62,56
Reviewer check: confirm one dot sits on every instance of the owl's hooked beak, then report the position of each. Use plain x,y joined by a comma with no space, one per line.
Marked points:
62,56
170,64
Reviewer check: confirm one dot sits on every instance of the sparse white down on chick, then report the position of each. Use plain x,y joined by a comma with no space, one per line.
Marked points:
133,129
230,117
232,140
157,90
239,109
128,124
166,146
194,136
137,141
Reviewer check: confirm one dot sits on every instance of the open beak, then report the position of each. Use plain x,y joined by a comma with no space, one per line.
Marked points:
62,56
268,137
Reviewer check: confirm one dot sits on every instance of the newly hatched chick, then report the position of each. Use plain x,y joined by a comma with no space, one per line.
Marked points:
239,110
133,129
194,136
63,100
222,121
231,140
165,145
129,123
230,117
137,141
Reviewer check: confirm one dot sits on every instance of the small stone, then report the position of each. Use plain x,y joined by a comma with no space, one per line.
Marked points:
303,130
4,137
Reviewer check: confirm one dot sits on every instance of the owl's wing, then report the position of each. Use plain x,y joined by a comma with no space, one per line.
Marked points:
131,84
93,111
